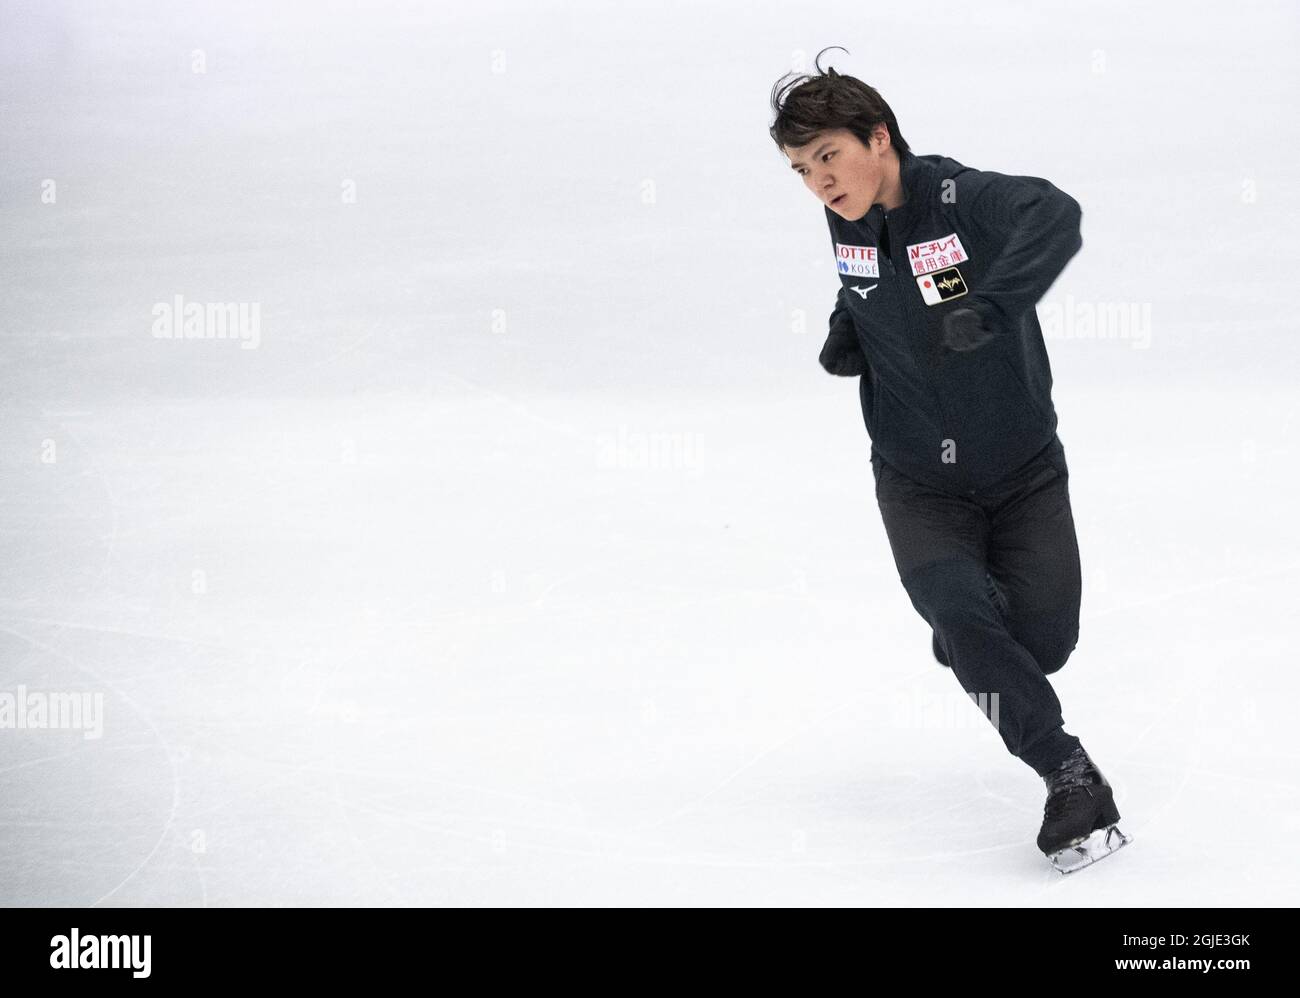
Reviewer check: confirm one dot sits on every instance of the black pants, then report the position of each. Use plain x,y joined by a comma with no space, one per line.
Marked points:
996,574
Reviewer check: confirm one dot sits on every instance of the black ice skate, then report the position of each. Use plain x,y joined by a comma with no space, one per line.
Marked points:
1080,815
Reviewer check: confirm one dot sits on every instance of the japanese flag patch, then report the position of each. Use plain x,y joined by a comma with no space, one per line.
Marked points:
936,254
856,261
943,286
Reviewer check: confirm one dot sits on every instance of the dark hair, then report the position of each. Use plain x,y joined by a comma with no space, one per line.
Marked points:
807,105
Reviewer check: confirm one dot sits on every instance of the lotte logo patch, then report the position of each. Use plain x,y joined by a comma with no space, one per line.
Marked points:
856,261
943,286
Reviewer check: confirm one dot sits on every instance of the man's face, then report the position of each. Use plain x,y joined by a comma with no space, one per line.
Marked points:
841,171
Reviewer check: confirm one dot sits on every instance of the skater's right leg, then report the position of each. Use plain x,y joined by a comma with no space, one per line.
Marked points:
988,662
939,546
1033,554
998,600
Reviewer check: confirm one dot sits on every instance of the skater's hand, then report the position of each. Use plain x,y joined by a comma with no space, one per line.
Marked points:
841,355
964,330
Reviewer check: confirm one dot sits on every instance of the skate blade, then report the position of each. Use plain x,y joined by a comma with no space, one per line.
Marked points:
1098,845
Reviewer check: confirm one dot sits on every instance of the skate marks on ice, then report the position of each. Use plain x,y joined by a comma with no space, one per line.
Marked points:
929,827
97,829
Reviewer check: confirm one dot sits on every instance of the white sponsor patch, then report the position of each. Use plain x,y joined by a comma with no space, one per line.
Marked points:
936,254
857,261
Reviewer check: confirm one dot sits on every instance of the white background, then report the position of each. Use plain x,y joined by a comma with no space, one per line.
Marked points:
389,610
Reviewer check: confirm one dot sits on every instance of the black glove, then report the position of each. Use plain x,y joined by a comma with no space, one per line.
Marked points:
964,330
841,355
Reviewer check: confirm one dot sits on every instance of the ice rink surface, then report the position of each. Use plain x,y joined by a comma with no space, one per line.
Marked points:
529,557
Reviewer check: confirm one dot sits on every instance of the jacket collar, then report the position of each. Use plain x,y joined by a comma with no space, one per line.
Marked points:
914,179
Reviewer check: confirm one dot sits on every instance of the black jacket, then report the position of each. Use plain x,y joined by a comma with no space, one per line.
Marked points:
977,239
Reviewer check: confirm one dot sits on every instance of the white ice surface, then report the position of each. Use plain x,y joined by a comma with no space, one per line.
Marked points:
375,617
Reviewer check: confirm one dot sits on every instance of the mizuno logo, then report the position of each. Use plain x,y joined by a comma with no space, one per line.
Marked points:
866,291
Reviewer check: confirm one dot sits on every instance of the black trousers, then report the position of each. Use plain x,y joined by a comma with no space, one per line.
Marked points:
996,574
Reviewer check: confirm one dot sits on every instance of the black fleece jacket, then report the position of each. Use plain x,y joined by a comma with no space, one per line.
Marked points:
963,238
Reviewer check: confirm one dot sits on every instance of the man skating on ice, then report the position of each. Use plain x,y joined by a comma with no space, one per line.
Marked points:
940,268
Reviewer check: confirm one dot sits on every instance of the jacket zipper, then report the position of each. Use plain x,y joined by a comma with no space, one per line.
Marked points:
926,373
